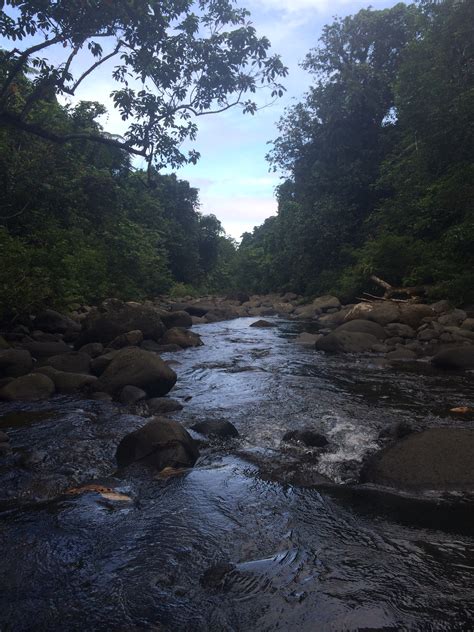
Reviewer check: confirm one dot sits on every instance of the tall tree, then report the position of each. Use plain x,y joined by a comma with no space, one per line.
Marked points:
175,60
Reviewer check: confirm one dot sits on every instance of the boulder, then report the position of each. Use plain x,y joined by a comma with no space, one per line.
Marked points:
438,459
131,395
413,315
364,327
400,331
74,362
98,365
163,405
53,322
179,318
325,302
239,297
28,387
453,318
151,345
401,354
114,318
396,430
199,308
66,382
181,337
221,313
15,362
441,307
307,436
160,443
359,311
198,320
332,320
455,358
42,350
130,339
216,428
468,324
306,312
384,313
263,324
346,342
136,367
306,339
93,349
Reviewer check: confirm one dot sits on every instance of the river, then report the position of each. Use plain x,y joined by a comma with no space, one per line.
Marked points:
253,538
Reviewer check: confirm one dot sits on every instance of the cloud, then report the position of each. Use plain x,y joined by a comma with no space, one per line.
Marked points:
239,214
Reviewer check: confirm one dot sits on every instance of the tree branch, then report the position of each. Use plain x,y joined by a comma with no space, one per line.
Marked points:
37,130
17,67
72,90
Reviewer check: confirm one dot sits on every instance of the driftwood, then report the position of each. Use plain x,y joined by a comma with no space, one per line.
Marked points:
394,294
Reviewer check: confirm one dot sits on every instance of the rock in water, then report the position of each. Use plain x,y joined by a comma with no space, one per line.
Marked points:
307,436
160,443
136,367
54,322
217,428
347,342
74,362
114,318
439,458
15,362
455,358
181,337
363,327
28,387
163,405
262,323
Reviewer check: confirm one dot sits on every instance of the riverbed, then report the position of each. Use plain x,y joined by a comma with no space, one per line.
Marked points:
260,535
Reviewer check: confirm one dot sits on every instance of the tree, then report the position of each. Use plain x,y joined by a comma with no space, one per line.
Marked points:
176,60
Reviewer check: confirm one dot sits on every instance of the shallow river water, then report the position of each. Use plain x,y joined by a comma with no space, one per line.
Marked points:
253,538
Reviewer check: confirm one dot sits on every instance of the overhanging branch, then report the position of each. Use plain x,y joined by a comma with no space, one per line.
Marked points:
14,121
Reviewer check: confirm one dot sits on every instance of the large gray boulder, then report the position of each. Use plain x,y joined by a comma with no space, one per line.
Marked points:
414,314
326,302
400,330
160,443
47,349
363,327
114,318
384,313
332,320
55,323
181,337
28,387
74,362
15,362
178,318
68,383
455,358
136,367
438,458
453,318
347,342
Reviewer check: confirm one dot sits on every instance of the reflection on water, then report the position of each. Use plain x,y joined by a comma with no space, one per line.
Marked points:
225,546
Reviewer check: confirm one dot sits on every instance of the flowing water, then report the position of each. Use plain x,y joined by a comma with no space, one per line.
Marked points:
260,535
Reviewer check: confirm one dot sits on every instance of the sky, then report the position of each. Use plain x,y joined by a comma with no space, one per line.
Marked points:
232,174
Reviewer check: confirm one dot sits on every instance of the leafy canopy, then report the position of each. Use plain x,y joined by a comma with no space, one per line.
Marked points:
174,61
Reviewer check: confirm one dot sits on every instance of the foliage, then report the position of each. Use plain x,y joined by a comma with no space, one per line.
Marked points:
77,224
174,61
378,160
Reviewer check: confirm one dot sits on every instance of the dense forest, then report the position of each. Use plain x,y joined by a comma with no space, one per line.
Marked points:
78,223
378,164
378,160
